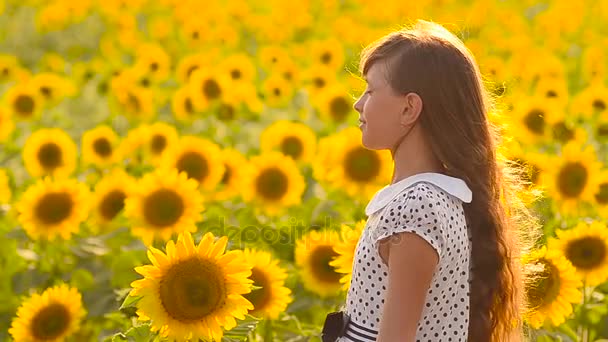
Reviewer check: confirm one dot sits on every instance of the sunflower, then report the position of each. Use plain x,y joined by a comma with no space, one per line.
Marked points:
10,69
52,87
207,87
239,68
329,53
193,292
6,125
601,193
335,104
314,253
100,146
199,158
273,297
162,203
319,78
276,91
270,56
344,163
189,64
275,182
110,195
532,119
131,147
51,316
553,90
159,137
135,101
343,262
293,139
23,101
154,60
573,176
49,208
551,289
233,180
290,71
49,151
591,101
586,247
5,188
182,104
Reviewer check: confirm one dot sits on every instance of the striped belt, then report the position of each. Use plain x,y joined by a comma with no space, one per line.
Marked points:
358,333
338,324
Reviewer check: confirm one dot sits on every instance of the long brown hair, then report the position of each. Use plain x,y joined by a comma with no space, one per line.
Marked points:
429,60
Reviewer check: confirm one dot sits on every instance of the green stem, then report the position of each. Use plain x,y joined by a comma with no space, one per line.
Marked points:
583,321
268,331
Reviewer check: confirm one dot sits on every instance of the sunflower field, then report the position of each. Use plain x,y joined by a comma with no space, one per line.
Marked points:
191,170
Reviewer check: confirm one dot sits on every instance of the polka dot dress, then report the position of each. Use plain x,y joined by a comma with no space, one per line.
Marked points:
428,209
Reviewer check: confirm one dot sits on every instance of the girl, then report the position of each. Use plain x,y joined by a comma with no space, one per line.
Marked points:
437,260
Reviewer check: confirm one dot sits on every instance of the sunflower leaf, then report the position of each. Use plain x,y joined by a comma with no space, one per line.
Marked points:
242,330
129,302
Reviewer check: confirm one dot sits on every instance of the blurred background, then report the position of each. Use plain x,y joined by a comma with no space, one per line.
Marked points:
125,124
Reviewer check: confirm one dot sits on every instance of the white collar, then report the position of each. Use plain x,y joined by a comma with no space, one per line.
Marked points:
454,186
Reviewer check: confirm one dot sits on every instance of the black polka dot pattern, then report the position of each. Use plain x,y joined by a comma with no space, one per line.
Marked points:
438,217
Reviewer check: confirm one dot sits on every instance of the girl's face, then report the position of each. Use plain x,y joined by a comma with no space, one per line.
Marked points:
380,111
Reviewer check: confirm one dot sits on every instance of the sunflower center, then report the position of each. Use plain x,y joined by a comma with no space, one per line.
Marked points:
47,92
24,104
49,156
599,104
292,146
276,92
112,204
225,112
191,70
133,103
158,143
602,131
339,107
535,121
194,164
188,106
562,133
602,195
551,94
102,147
260,298
50,322
572,179
586,253
319,82
163,208
54,207
272,184
326,58
235,74
227,175
320,259
154,66
192,289
545,287
362,165
211,89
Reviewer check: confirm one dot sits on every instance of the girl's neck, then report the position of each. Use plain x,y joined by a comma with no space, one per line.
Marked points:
414,155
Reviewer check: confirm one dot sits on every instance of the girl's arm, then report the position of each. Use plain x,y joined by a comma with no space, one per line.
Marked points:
411,265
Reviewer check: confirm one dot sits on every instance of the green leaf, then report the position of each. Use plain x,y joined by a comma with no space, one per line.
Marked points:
82,279
128,306
139,333
242,330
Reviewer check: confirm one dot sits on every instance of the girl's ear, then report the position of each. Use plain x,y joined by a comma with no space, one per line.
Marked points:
412,109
